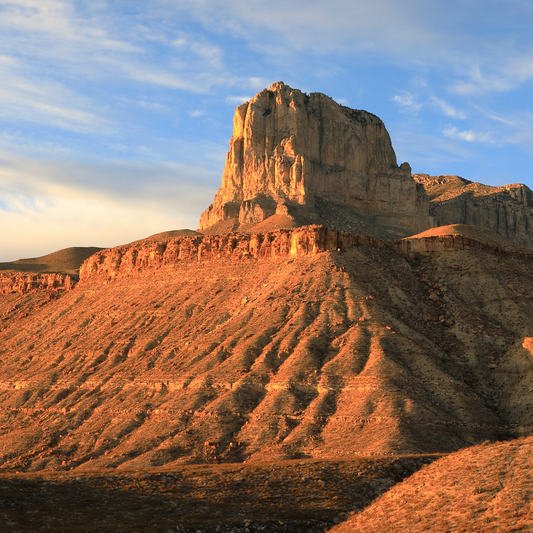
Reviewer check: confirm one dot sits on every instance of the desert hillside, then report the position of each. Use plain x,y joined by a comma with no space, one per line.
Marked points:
335,324
485,488
65,261
223,358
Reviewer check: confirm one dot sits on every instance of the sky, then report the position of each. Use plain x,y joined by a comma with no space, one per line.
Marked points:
115,115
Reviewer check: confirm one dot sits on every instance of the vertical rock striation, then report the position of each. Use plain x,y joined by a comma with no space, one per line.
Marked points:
289,149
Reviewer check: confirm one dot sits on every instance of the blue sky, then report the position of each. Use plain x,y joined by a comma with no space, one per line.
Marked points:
115,116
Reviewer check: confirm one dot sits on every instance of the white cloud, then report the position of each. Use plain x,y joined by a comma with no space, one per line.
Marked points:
447,109
47,204
237,100
256,83
44,101
154,106
57,21
419,81
479,83
196,113
468,136
493,116
365,24
212,54
35,226
450,36
408,102
71,40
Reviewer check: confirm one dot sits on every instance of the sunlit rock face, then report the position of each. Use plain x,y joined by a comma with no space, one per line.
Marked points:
507,210
289,149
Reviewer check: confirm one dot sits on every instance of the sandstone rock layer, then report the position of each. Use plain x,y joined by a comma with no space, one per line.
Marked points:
288,149
22,282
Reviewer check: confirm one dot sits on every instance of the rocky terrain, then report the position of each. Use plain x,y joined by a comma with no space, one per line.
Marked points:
317,341
368,349
507,210
306,157
278,496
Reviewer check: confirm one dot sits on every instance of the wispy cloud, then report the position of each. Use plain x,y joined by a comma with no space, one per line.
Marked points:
49,204
196,113
447,36
154,106
57,21
492,116
237,100
448,109
71,41
44,102
408,102
478,83
468,136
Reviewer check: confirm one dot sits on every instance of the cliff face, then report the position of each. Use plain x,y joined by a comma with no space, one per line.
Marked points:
507,210
282,244
288,148
22,282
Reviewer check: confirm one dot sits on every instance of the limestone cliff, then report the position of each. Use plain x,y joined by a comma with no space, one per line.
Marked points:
295,154
281,244
507,210
23,282
151,254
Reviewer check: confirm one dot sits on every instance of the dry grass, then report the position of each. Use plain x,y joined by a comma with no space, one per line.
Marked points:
485,488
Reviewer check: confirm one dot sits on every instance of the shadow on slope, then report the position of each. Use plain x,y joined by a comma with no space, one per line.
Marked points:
282,496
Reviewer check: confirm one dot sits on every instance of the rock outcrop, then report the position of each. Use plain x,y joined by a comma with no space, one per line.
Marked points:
507,210
151,254
291,152
146,255
460,237
22,282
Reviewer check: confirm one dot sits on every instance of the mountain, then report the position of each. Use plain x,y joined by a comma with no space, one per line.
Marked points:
309,159
308,343
67,261
507,210
320,314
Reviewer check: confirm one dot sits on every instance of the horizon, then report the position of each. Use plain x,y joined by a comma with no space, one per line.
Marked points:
116,118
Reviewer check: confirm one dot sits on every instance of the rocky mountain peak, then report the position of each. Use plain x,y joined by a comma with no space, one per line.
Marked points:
290,152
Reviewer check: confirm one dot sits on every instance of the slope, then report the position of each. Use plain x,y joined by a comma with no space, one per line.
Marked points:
329,354
65,261
485,488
